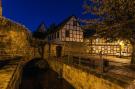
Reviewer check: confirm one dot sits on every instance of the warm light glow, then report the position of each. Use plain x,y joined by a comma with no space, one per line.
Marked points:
121,43
87,51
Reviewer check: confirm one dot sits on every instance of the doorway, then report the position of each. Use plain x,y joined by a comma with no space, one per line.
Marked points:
58,51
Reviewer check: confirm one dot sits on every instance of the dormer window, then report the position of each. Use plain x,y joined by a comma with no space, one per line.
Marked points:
74,23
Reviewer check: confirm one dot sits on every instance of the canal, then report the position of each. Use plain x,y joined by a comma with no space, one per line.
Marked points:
34,77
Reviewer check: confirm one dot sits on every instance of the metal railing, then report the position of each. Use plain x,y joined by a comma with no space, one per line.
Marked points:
96,62
98,65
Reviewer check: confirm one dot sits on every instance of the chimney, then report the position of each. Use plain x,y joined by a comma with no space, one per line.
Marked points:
0,8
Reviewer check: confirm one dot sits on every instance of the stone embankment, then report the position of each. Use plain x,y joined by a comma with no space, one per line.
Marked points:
86,79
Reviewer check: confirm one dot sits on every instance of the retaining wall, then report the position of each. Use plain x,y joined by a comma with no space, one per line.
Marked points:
81,79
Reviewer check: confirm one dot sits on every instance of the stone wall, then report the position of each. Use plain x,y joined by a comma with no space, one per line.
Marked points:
67,48
81,79
15,38
14,77
46,51
74,47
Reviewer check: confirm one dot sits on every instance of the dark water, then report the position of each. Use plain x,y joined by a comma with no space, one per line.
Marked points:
34,78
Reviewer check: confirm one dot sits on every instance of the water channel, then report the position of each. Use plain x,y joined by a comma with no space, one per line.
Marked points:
36,78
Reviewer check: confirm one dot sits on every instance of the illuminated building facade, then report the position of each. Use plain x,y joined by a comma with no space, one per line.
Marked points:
67,37
95,45
68,31
73,39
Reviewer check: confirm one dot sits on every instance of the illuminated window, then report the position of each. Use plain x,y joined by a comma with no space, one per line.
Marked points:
97,40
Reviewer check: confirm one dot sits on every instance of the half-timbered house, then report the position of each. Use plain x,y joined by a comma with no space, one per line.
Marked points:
95,45
70,38
68,30
67,36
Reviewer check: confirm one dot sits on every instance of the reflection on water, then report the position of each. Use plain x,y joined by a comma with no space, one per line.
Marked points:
41,79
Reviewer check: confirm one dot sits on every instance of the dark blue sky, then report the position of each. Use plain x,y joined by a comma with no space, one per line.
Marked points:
31,12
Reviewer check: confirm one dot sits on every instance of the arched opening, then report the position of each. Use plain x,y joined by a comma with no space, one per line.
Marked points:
58,51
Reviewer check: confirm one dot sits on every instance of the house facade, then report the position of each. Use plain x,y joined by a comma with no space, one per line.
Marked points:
68,31
67,37
70,38
95,45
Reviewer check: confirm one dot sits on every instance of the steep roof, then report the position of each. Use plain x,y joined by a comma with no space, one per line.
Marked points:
61,25
41,28
41,32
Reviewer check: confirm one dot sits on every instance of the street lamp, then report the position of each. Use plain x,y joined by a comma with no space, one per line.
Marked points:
121,43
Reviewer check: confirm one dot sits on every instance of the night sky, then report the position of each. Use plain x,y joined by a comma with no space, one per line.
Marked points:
32,12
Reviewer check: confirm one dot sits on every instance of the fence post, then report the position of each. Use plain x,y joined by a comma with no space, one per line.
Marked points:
102,62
